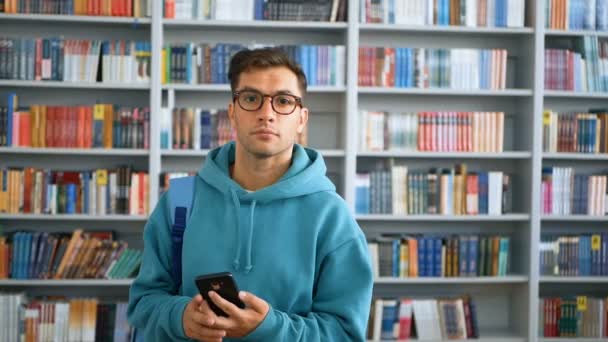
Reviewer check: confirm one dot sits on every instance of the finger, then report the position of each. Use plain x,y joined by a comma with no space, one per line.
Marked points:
203,319
255,303
213,334
225,323
206,310
229,308
206,334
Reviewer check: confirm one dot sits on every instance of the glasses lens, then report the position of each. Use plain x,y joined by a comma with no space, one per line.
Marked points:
284,104
250,100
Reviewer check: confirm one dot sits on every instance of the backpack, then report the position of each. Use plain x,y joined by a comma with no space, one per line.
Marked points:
181,196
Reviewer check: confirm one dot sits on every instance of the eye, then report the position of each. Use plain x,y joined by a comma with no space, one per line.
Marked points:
285,100
251,98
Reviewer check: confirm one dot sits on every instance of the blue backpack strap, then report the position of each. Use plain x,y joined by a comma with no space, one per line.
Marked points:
181,197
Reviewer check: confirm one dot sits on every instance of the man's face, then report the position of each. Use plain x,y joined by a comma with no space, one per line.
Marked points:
265,133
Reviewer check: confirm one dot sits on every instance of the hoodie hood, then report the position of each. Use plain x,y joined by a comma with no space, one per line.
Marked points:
305,176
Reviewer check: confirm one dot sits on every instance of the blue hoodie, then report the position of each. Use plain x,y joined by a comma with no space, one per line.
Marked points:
293,244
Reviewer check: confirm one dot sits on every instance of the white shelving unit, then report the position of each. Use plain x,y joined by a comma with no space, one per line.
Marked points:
508,306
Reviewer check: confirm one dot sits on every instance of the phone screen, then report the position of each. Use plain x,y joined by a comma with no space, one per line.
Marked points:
222,283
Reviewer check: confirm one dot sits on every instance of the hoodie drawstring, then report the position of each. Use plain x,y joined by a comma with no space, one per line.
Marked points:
237,256
248,265
237,213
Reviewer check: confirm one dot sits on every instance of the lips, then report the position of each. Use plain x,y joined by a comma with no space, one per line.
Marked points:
265,131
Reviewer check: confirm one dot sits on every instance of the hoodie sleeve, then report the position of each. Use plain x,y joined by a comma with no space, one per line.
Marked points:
153,309
341,303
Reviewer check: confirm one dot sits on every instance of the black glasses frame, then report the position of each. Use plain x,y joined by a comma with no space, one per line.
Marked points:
235,98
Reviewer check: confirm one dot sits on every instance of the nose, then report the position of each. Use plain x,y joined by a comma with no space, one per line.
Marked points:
266,113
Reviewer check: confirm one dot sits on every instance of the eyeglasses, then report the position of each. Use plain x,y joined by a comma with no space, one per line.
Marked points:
251,100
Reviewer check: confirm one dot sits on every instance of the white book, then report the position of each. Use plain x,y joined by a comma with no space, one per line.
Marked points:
474,65
196,135
340,65
399,176
430,13
495,192
378,309
471,14
372,247
491,13
426,318
134,194
567,188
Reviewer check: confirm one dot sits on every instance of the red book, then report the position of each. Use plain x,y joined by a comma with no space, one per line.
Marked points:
433,127
28,178
82,120
429,131
421,131
25,129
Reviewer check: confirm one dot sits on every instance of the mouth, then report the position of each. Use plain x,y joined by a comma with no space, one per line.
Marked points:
264,132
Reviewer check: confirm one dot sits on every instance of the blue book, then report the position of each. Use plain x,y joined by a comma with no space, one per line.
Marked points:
86,178
390,315
604,271
11,106
473,254
422,257
314,64
188,70
601,14
396,257
15,255
430,257
33,255
438,247
463,256
483,192
71,198
25,255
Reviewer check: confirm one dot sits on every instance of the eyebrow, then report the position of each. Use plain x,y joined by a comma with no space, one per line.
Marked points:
280,91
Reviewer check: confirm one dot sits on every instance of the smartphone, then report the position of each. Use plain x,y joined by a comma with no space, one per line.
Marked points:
223,283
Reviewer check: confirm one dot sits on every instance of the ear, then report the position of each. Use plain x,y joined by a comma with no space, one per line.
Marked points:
231,115
303,120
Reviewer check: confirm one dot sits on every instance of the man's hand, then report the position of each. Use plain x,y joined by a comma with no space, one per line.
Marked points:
240,322
199,321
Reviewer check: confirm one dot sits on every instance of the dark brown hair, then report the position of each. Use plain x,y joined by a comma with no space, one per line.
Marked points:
264,58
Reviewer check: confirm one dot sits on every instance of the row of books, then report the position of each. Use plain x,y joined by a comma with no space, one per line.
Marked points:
71,60
442,191
27,255
432,68
62,320
194,128
197,128
431,131
576,132
193,63
471,13
98,192
440,256
576,14
320,10
431,319
114,8
573,316
96,126
583,69
565,192
574,255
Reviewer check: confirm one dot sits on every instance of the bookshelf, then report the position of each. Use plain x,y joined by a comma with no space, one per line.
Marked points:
508,305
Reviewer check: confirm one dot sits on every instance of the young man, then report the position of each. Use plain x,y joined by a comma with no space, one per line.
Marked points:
264,211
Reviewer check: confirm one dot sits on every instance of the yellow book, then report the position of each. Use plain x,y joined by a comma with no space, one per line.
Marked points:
42,130
72,245
3,190
34,125
163,66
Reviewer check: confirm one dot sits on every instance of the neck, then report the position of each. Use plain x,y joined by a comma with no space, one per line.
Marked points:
254,173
